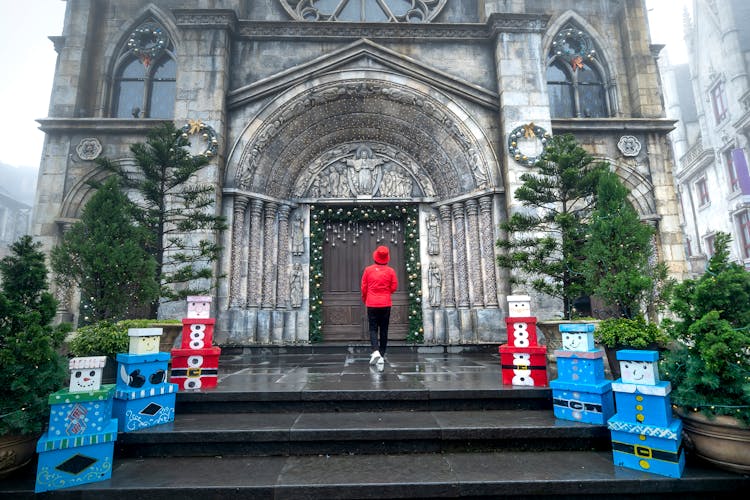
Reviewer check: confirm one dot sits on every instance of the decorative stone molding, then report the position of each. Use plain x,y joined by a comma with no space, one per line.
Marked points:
89,149
629,145
446,241
270,263
239,205
462,270
206,18
474,258
283,258
422,11
285,30
487,243
253,262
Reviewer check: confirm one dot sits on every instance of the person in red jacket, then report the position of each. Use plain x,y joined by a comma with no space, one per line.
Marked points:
378,284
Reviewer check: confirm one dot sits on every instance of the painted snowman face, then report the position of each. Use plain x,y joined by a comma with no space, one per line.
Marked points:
572,341
519,309
639,372
85,379
199,309
150,344
144,345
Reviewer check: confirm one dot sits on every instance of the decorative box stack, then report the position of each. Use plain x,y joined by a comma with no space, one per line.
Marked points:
79,444
645,436
581,392
195,365
522,359
143,397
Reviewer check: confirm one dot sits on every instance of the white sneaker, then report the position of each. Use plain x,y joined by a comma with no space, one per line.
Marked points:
381,364
375,357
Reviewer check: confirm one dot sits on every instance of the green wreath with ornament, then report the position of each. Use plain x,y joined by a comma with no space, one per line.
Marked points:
148,42
529,131
197,127
409,215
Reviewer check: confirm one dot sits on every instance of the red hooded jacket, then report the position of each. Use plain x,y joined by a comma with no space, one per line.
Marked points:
379,281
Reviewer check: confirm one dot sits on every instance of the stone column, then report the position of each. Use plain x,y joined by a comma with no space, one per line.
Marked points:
283,286
476,290
239,205
253,261
487,246
459,236
64,292
446,241
268,299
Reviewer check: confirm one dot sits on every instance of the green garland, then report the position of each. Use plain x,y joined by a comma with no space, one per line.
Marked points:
409,215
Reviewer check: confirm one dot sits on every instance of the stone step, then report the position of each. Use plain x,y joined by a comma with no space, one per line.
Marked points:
508,474
310,433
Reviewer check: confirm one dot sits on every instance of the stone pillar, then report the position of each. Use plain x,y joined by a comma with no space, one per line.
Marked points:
64,292
459,236
268,299
239,205
282,289
253,261
446,241
487,247
476,290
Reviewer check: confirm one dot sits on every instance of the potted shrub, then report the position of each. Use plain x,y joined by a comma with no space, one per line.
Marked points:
32,367
709,361
624,333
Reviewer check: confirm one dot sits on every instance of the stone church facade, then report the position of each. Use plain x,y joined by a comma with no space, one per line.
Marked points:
334,126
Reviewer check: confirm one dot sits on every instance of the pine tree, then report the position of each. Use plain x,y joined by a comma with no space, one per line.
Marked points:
173,207
31,366
618,251
543,244
104,255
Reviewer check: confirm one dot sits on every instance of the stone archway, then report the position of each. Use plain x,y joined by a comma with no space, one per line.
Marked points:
350,139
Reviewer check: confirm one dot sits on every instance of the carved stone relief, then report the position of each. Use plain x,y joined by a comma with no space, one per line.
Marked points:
89,149
297,286
433,235
435,284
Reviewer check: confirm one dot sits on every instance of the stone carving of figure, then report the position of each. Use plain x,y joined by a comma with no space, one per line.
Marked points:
433,235
434,284
298,236
296,286
395,185
363,171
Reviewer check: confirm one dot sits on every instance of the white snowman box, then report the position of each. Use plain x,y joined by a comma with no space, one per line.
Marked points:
144,340
519,306
86,373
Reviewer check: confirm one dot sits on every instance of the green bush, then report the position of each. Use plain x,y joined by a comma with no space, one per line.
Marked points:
635,333
106,338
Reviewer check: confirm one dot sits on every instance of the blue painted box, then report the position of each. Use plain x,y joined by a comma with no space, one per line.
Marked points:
589,403
140,408
580,367
71,461
141,371
643,404
79,413
648,448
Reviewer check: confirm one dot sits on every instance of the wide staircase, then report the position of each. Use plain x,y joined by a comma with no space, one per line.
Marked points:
319,422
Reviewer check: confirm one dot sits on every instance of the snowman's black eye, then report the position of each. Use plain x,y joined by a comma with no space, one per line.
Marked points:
92,373
78,375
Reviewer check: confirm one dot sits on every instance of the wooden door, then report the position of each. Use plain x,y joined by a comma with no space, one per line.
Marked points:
344,259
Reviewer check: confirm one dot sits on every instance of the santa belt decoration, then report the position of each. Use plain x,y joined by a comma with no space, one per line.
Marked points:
574,404
646,452
523,367
194,372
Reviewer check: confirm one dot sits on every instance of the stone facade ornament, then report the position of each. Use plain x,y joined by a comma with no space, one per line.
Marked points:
527,143
416,11
365,172
89,149
297,286
435,284
629,145
298,236
433,235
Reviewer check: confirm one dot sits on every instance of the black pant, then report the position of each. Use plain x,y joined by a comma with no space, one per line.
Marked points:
378,317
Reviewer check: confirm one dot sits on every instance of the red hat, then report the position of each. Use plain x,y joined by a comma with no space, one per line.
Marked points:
381,255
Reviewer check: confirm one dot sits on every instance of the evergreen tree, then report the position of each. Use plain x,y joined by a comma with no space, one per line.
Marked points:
618,251
104,255
173,207
544,243
31,366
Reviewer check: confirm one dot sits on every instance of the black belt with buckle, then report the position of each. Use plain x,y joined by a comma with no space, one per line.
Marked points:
577,405
523,367
646,452
194,372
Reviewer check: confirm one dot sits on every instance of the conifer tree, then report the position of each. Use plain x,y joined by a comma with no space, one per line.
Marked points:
177,211
544,242
104,255
618,252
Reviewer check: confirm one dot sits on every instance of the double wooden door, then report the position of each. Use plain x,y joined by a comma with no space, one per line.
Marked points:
346,253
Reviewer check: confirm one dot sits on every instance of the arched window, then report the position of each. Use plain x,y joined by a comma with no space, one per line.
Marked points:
575,79
145,78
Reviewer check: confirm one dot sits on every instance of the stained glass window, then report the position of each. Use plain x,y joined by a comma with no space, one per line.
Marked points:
373,11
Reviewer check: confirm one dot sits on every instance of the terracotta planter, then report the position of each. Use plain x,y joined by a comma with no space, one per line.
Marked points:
723,441
15,452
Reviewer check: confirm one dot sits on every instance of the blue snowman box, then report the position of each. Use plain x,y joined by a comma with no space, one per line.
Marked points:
79,413
140,408
585,367
644,404
588,403
648,448
577,336
141,371
74,460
